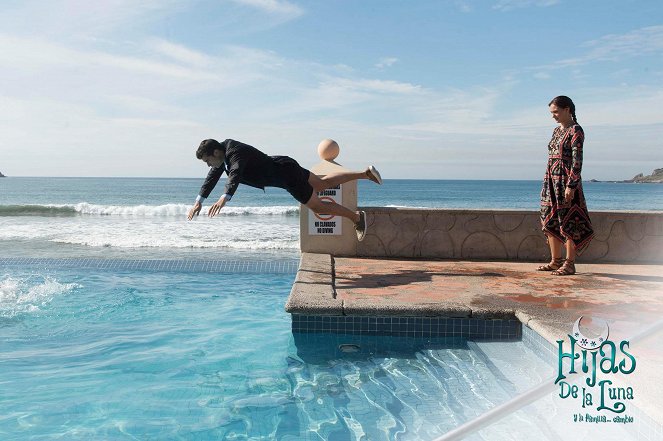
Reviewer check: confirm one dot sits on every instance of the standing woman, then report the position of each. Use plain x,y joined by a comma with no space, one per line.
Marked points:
564,216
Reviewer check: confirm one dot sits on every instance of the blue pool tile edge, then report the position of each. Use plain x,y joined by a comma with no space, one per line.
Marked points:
420,327
212,266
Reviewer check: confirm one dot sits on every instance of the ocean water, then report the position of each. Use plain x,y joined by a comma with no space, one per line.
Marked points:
146,217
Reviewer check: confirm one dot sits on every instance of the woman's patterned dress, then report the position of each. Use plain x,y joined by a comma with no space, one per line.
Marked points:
559,219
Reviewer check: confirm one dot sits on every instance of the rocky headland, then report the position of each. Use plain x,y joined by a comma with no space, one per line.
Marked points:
656,177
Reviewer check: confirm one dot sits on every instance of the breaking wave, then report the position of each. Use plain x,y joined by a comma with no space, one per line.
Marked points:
167,210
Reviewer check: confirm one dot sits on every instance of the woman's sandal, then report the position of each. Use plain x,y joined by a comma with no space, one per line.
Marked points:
568,269
554,265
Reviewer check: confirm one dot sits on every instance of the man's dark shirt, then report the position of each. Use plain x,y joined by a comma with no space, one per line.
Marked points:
246,165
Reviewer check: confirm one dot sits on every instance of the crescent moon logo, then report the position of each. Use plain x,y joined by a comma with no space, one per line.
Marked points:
588,343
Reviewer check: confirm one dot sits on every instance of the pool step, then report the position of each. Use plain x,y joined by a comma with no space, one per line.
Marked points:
400,387
515,363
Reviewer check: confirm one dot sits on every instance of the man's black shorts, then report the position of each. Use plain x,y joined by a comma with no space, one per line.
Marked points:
293,178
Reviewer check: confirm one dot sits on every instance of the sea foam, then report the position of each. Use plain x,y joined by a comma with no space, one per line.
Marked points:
27,295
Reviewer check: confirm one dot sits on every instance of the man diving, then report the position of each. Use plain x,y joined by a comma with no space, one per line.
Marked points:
247,165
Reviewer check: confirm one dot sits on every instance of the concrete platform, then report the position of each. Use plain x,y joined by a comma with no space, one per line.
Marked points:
628,297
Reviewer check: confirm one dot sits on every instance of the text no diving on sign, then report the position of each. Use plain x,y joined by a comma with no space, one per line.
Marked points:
326,224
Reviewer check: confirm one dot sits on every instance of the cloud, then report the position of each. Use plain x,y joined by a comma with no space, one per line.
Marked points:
643,41
275,7
86,100
639,106
616,47
133,104
347,101
110,105
80,141
464,6
467,6
386,62
56,69
375,86
180,53
69,18
507,5
32,54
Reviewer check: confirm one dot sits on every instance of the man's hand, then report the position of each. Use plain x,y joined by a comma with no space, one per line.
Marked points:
218,205
568,194
194,210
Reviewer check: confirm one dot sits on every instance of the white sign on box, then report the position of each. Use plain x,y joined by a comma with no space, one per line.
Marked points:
326,224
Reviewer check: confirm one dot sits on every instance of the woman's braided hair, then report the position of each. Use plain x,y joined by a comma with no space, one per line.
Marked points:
565,103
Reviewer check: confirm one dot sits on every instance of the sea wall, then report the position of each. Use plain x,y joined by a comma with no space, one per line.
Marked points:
621,236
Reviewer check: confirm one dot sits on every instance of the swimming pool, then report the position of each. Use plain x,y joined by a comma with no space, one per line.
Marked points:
151,350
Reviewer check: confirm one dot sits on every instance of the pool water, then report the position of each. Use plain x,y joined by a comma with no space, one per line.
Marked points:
191,355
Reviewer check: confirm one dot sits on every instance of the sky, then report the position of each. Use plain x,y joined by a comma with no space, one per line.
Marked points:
443,89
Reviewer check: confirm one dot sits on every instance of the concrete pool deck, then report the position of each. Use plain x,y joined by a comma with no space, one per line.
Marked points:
628,296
